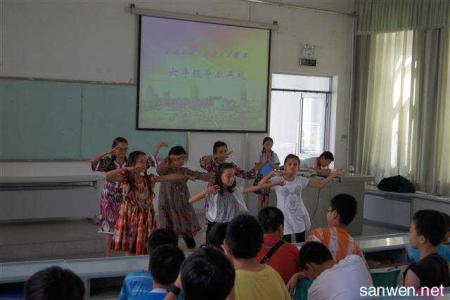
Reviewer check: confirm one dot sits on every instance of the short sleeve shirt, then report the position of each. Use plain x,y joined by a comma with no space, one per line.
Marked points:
289,201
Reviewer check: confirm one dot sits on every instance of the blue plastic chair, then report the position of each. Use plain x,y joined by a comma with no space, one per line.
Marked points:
387,278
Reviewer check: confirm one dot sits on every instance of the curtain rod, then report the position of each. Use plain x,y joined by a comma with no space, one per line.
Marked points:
279,3
180,16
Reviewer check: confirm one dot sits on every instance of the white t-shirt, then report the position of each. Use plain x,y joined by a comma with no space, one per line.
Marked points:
341,282
289,201
223,208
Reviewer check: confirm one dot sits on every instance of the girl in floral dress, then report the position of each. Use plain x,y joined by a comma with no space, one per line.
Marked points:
112,192
136,216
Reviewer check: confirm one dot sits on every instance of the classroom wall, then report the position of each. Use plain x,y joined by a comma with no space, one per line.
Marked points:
97,40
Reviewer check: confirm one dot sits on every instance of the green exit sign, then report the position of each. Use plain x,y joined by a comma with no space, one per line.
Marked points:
308,62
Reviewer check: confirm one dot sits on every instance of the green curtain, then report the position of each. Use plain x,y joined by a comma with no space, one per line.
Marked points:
398,15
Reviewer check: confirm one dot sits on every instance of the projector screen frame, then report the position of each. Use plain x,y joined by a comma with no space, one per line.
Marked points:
208,20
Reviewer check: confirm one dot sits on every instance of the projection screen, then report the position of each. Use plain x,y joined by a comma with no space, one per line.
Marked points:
199,76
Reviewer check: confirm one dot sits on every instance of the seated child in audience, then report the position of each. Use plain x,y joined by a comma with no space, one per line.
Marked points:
280,255
254,280
340,214
216,235
427,230
140,282
54,283
206,274
289,197
320,165
164,268
337,281
443,248
225,200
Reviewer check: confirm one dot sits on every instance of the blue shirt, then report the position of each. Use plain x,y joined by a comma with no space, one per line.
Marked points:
153,295
136,284
442,249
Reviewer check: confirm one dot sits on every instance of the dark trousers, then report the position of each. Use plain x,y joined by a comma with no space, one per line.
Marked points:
299,237
190,242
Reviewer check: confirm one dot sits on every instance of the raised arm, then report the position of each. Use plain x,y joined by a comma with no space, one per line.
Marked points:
322,172
251,174
200,175
314,183
158,148
207,162
173,177
117,175
163,166
254,188
199,196
94,160
267,178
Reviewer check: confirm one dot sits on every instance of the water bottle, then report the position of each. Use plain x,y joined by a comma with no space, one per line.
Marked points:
351,170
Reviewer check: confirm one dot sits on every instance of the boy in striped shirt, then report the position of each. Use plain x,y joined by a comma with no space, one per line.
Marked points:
335,237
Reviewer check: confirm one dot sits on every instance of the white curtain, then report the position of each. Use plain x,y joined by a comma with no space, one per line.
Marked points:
388,133
403,114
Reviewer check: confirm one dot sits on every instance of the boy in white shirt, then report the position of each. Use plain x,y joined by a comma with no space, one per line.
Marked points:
320,165
331,280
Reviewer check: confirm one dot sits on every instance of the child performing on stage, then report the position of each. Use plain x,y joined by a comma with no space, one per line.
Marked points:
175,211
137,217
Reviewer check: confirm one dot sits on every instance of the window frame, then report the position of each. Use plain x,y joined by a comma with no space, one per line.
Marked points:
327,125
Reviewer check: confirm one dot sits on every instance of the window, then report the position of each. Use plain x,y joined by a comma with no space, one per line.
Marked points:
299,114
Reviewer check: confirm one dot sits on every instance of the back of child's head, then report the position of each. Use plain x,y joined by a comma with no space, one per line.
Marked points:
244,237
217,145
54,283
345,205
119,140
177,150
216,235
431,225
270,218
313,252
207,274
165,264
218,178
161,236
292,156
327,155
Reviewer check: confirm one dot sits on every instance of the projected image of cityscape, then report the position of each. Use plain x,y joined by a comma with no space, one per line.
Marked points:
201,76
